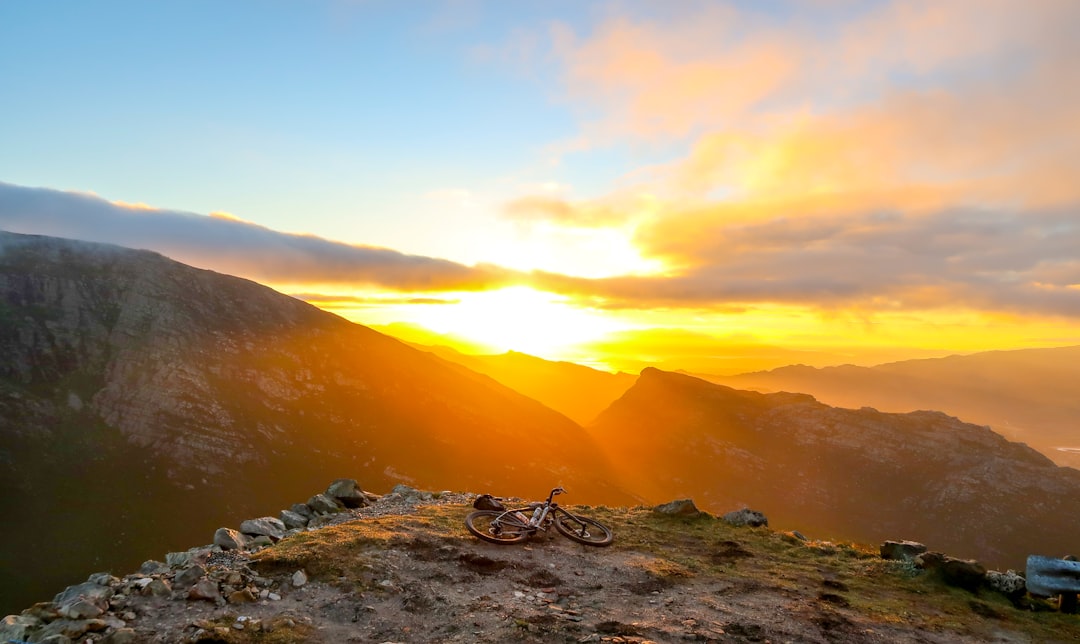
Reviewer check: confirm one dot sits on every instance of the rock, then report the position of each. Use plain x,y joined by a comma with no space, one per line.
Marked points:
962,573
87,590
303,509
679,508
44,611
151,567
264,526
261,541
59,638
14,627
1008,583
746,517
157,588
409,495
322,504
348,492
204,590
229,539
901,550
189,576
243,596
81,609
178,559
293,520
299,579
103,579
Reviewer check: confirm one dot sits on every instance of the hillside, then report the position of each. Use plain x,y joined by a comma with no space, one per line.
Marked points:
842,473
1031,396
579,392
405,569
138,390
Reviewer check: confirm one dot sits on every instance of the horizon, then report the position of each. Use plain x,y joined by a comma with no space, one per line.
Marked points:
710,187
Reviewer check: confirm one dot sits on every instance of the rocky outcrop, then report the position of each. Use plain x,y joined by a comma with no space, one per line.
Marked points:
902,550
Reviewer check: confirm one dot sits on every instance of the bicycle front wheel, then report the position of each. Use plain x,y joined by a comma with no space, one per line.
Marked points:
497,527
583,530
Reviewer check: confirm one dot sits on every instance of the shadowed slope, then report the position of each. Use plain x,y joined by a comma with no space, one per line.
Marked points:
134,386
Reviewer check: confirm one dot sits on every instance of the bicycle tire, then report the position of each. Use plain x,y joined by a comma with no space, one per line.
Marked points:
509,531
583,530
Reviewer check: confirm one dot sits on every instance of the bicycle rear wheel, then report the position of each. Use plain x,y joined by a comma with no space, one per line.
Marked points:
497,527
583,529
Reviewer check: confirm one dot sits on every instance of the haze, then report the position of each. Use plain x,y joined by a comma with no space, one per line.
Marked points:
718,187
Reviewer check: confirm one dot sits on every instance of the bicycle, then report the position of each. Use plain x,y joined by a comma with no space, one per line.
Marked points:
506,526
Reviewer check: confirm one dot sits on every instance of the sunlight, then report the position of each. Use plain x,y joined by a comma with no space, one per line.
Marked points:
519,319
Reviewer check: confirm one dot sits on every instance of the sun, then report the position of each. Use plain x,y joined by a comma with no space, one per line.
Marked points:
519,319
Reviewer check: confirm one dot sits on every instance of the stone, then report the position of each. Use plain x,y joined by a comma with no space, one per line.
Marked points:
87,590
293,520
178,559
204,590
151,567
58,638
348,492
901,550
962,573
229,539
264,526
679,508
746,517
103,579
303,509
322,504
14,627
299,579
242,596
81,609
261,541
157,588
1009,583
189,576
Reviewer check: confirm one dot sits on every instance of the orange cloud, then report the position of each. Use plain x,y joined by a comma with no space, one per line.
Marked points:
536,208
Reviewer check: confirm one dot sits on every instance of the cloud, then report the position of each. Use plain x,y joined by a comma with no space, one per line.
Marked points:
229,245
538,208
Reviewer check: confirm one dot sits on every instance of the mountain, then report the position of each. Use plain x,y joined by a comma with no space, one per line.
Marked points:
1030,395
408,572
140,391
579,392
854,474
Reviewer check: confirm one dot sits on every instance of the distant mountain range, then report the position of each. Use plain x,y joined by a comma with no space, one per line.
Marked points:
1031,395
140,397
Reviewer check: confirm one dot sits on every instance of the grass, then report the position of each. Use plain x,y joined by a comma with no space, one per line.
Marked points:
703,549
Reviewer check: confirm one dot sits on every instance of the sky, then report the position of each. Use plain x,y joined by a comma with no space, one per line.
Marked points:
712,186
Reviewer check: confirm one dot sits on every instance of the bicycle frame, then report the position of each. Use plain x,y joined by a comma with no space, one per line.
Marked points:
516,517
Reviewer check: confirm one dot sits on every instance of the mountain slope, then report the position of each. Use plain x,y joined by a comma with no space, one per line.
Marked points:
1031,395
579,392
856,474
136,386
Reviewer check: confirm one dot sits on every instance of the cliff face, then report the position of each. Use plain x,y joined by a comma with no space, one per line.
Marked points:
857,474
135,385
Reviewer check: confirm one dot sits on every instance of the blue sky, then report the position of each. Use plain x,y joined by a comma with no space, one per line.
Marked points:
810,174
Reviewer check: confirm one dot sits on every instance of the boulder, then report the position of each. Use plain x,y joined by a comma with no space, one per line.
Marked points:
157,588
323,504
15,627
299,579
242,596
82,609
962,573
229,539
150,567
293,520
303,509
348,492
901,550
89,590
189,576
205,590
679,508
264,526
746,517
